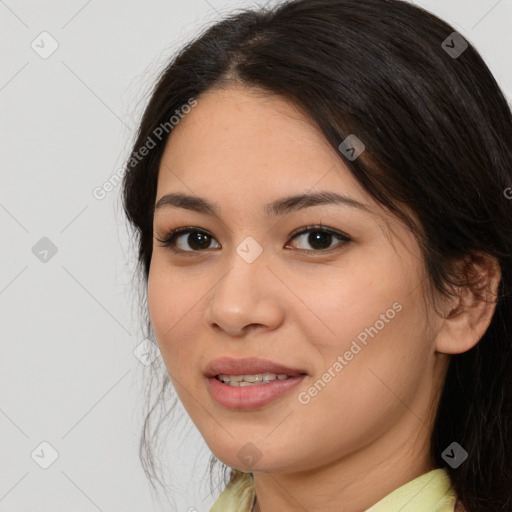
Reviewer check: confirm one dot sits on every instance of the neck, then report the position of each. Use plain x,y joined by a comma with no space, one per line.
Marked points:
358,481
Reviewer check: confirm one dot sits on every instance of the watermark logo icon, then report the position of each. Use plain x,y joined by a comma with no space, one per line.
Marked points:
44,455
249,455
143,352
351,147
454,45
44,250
454,455
44,45
249,249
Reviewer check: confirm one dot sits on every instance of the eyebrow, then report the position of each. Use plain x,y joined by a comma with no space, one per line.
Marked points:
278,207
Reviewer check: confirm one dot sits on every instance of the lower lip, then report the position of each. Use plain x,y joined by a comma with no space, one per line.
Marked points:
250,397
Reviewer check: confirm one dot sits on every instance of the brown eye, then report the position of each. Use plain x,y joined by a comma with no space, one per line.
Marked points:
194,241
320,239
191,240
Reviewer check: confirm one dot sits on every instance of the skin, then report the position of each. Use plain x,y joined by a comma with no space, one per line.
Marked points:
367,432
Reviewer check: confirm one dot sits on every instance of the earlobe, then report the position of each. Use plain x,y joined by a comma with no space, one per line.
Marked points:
469,315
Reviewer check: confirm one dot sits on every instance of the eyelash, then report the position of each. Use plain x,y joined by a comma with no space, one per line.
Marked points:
170,240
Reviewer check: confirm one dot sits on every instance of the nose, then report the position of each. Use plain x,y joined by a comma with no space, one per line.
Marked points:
246,298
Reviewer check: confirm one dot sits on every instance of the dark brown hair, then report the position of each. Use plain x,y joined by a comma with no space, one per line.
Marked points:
438,137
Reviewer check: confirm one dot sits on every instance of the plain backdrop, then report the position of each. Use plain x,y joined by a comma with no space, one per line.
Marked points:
71,388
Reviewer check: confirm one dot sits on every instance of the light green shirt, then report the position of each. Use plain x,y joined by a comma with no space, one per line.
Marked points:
430,492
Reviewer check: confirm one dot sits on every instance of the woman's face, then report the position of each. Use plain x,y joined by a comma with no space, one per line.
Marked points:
347,313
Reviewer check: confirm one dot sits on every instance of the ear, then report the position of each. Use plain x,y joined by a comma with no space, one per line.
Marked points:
467,316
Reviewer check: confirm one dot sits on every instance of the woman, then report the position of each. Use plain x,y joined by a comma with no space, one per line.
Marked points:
318,191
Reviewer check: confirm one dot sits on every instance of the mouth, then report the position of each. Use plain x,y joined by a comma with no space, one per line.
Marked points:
246,396
252,380
248,384
250,370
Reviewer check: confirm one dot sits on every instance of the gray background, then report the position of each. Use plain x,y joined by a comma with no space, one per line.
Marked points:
68,326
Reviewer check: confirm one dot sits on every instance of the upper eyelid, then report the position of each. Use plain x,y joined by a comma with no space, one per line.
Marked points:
174,234
315,227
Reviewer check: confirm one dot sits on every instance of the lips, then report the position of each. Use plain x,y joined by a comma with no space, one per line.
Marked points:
249,366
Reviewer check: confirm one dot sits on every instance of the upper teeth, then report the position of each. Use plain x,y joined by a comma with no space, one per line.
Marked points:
258,377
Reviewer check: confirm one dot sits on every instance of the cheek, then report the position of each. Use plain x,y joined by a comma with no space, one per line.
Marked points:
174,310
367,393
168,297
373,316
351,298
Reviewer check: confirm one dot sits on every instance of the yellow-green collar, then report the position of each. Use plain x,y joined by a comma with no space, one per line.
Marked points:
430,492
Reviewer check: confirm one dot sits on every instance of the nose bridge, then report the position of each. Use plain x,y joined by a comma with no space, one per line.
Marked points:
245,279
245,294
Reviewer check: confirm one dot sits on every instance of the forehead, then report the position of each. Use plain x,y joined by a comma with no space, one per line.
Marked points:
239,138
